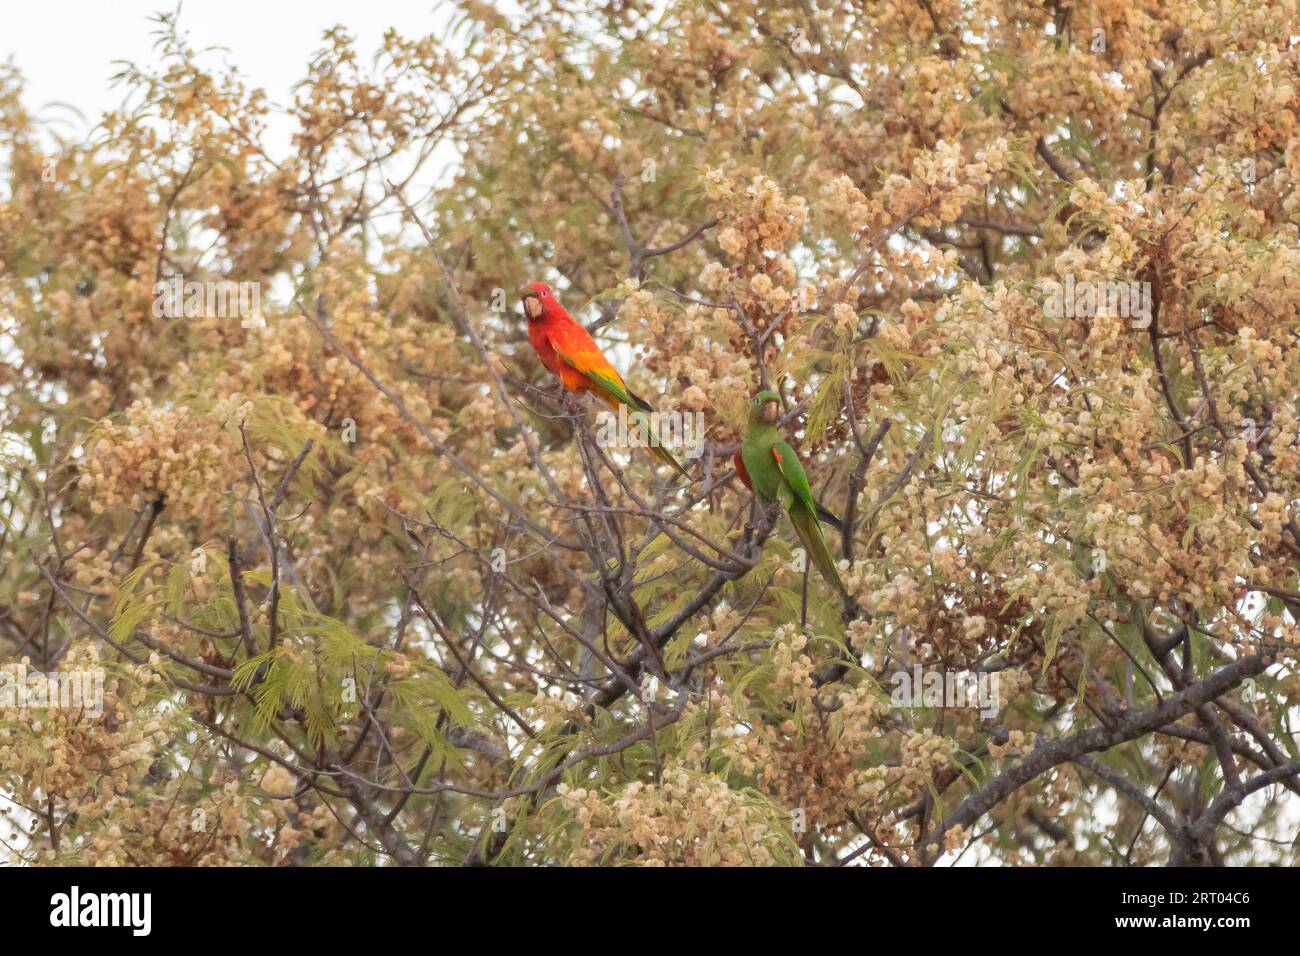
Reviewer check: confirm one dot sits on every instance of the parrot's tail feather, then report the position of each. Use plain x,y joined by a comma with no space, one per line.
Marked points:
639,403
664,455
810,533
830,517
652,442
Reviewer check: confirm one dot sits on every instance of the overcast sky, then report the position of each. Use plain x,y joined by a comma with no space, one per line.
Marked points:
66,48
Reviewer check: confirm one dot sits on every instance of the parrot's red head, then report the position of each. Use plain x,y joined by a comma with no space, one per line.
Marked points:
539,301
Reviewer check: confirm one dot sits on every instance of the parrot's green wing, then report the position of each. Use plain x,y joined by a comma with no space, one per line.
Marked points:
603,376
795,477
609,385
802,508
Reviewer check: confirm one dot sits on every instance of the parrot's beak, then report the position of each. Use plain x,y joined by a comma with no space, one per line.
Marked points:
532,304
770,412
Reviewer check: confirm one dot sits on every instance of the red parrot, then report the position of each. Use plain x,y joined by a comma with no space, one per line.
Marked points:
572,355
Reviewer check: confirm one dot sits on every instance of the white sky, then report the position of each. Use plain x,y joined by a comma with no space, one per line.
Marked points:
66,48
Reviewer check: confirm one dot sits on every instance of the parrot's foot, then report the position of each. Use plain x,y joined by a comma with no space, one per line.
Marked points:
573,409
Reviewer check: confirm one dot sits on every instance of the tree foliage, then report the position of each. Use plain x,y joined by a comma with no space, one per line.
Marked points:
365,588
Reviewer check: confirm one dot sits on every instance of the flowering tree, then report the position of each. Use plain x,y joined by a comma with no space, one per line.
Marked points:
363,585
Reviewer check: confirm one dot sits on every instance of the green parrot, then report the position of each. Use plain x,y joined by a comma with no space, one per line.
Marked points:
774,471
